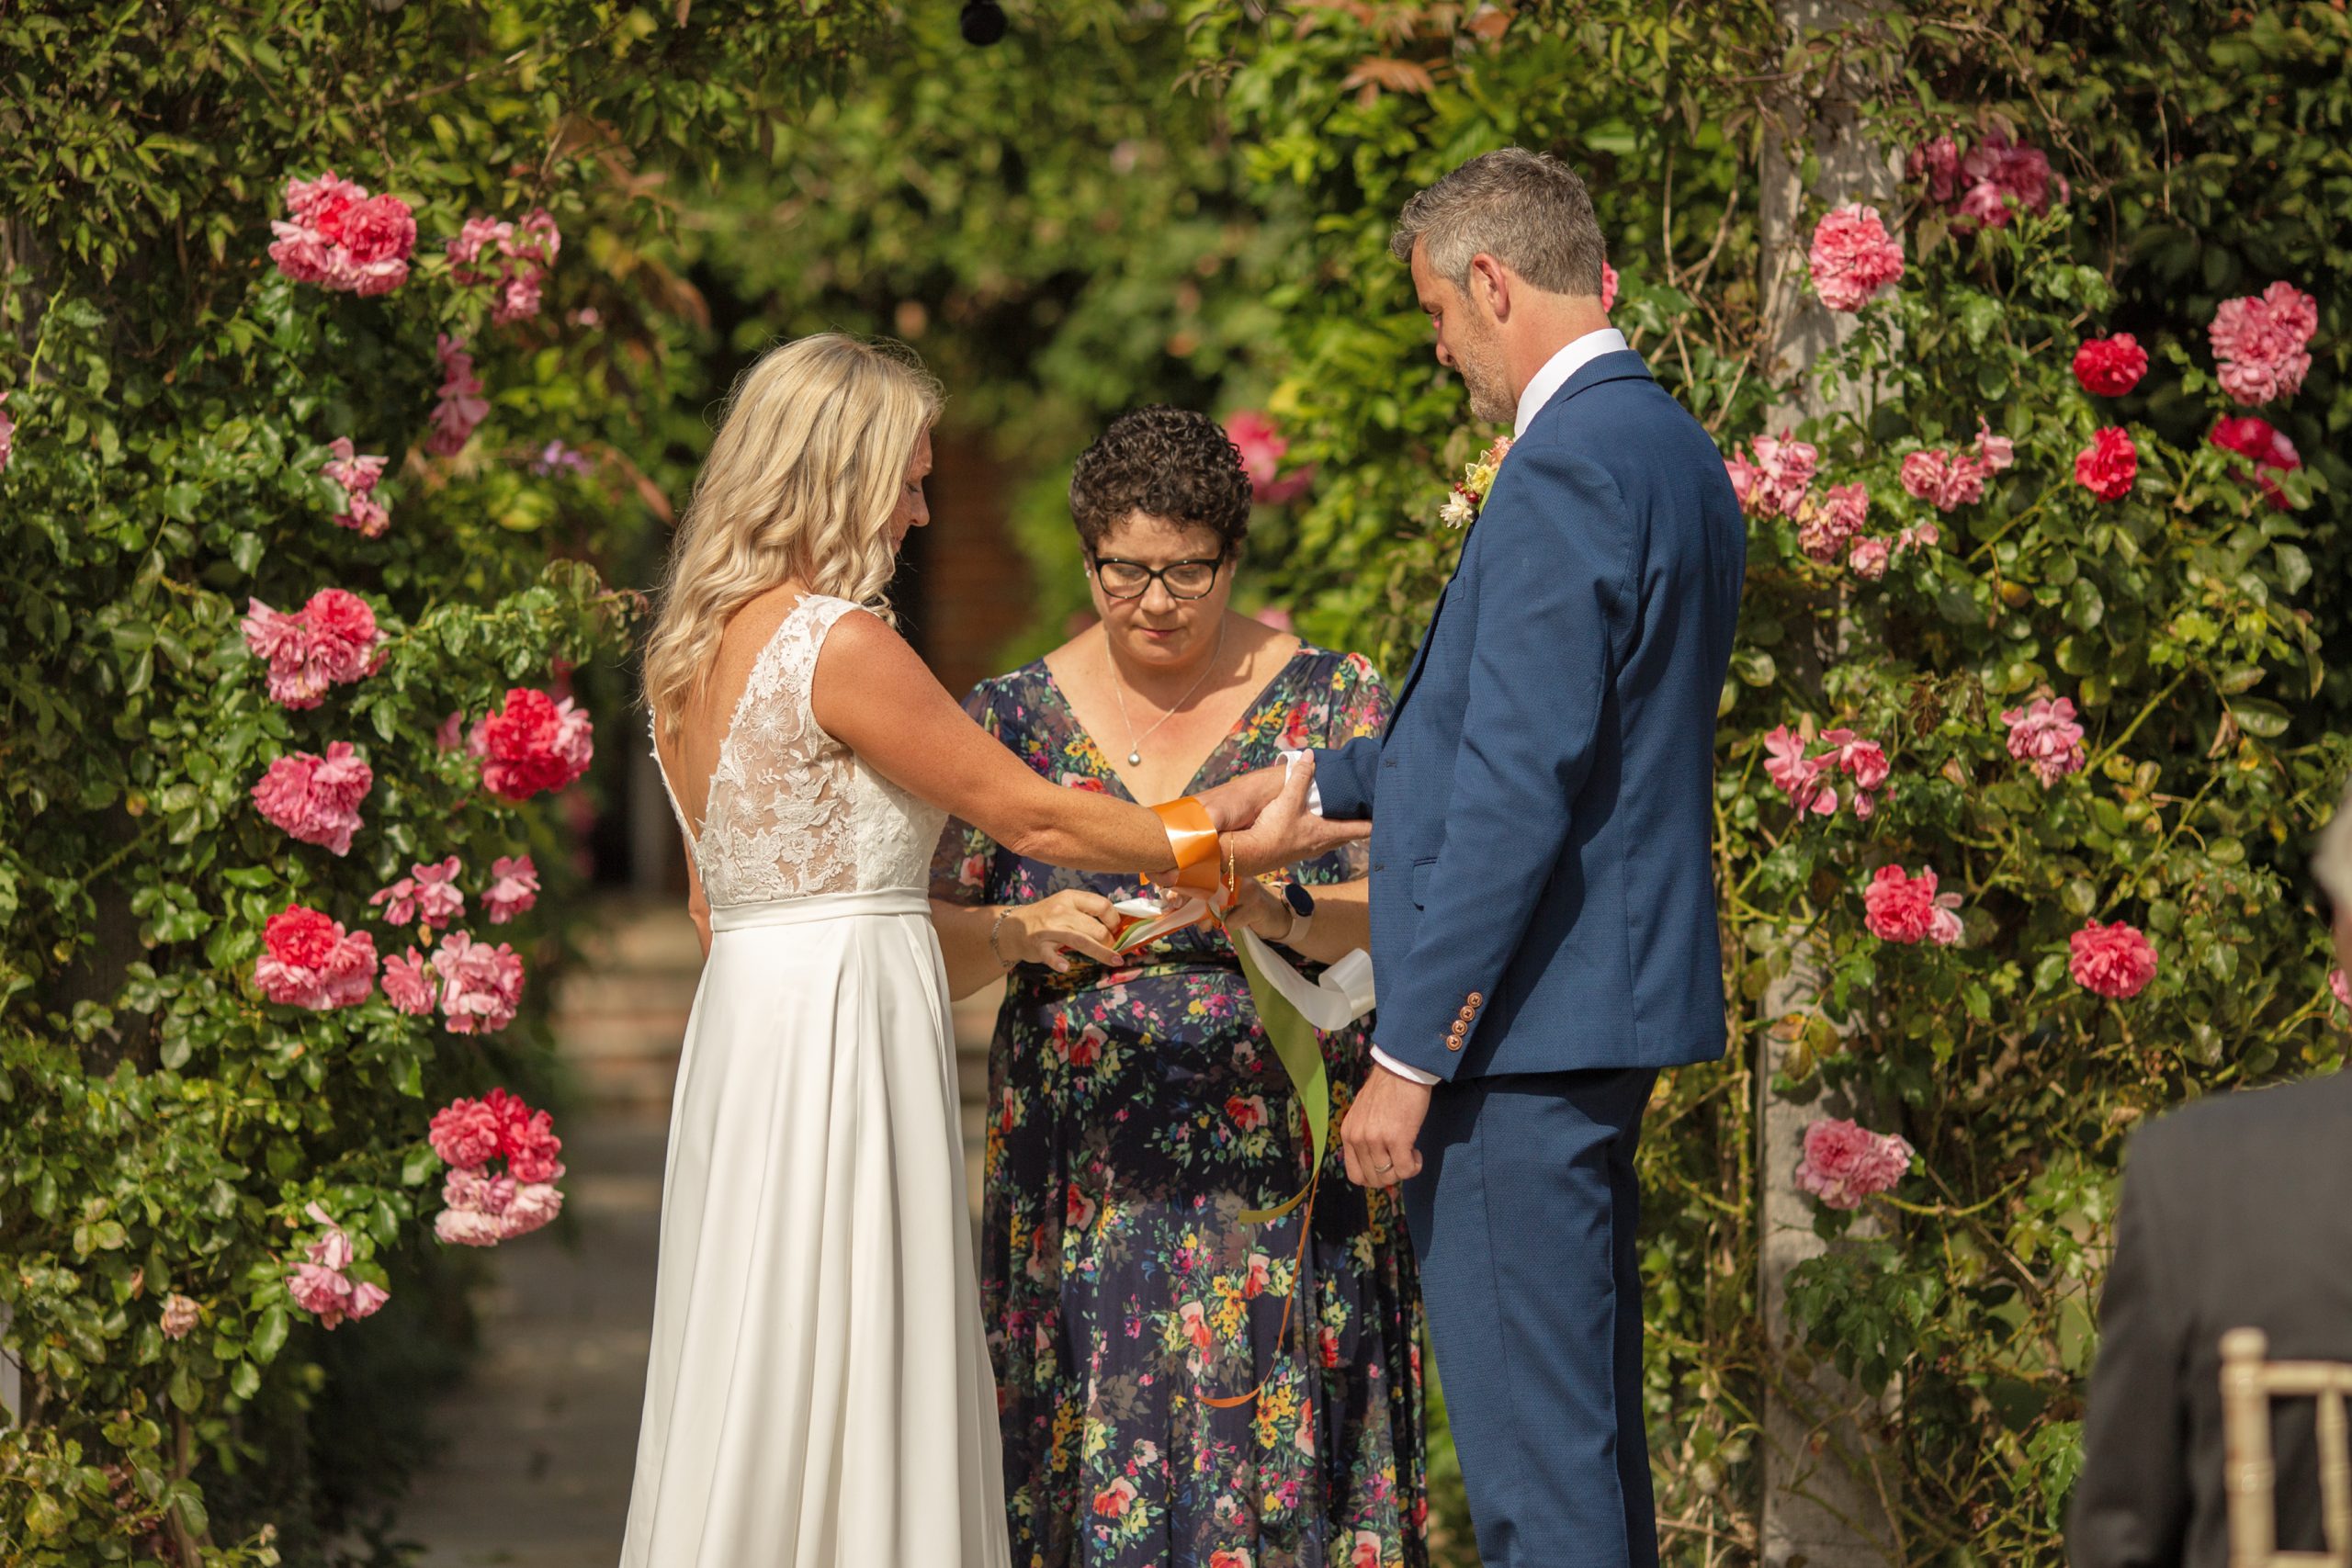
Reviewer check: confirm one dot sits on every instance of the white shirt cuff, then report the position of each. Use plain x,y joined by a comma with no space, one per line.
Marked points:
1314,793
1401,1070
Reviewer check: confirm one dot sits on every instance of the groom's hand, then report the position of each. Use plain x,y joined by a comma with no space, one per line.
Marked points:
1383,1126
1285,831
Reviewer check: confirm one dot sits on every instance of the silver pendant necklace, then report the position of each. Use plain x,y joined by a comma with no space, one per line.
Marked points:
1119,690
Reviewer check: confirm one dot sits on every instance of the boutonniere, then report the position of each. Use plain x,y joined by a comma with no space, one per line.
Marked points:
1461,508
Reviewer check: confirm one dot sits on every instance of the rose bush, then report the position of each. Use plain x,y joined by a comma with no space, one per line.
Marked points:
267,485
2104,700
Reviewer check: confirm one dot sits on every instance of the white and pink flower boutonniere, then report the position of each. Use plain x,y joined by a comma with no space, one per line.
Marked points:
1461,508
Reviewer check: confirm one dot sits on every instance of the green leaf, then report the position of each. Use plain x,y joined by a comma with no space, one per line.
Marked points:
269,1334
2259,717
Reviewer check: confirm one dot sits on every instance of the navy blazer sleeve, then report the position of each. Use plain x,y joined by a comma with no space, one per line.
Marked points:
2131,1504
1557,560
1344,776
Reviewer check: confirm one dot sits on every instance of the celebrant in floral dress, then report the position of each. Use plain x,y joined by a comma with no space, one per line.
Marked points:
1137,1110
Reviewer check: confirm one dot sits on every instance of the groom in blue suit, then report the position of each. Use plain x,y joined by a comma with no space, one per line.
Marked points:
1542,894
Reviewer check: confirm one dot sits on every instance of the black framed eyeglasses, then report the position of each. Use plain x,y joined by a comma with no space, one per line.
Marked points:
1131,578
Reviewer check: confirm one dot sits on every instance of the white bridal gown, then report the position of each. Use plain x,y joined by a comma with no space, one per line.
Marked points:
818,1394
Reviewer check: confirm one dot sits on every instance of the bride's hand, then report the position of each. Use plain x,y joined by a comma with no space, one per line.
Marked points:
1072,920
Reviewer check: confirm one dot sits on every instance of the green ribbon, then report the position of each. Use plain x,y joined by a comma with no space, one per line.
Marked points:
1300,1050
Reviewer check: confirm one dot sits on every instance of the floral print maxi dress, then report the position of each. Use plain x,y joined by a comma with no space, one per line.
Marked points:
1134,1114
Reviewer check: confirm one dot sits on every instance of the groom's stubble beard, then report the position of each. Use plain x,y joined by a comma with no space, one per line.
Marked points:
1479,361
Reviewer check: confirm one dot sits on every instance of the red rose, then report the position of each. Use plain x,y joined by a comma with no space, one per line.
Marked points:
2107,466
2251,436
2110,366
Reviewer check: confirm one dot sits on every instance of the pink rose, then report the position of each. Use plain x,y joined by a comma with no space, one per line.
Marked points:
480,985
308,961
1796,775
1948,482
2112,960
2252,436
1936,164
1775,485
409,983
1853,257
315,800
1862,760
2109,465
339,237
2342,985
2044,734
359,476
323,1292
7,434
1899,907
536,1203
513,887
461,406
1993,452
465,1133
2261,343
533,743
438,899
1263,449
331,641
1868,558
180,1315
1828,528
1844,1163
2110,366
468,1227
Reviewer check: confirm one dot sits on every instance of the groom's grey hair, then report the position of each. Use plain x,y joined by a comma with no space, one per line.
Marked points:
2332,863
1526,209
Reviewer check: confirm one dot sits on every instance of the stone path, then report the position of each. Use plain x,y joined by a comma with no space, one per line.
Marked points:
541,1440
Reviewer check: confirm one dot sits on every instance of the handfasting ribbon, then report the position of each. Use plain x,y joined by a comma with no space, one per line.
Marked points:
1291,1008
1192,839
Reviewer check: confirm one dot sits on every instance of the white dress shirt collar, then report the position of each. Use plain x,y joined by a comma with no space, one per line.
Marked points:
1559,368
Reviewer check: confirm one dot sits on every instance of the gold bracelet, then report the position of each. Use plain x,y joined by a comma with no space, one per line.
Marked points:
994,926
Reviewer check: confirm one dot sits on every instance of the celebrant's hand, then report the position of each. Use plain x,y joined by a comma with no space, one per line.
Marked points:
1382,1127
1286,833
1072,920
1260,910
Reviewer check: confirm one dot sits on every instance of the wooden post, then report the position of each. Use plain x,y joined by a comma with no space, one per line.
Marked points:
1828,1492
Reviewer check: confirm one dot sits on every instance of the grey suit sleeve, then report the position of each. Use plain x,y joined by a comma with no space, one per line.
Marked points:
2131,1504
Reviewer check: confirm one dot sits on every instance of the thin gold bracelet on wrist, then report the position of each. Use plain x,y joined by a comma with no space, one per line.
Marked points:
997,953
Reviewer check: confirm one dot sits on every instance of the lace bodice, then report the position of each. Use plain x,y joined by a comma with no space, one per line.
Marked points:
792,812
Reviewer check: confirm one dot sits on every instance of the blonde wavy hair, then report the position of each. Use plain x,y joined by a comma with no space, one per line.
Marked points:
801,482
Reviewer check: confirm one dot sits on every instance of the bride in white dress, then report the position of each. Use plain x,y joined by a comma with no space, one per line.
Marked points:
819,1391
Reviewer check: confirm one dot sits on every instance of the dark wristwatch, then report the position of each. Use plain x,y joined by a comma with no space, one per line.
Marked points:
1302,909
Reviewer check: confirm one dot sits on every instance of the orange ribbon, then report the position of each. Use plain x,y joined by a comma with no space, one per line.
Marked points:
1193,838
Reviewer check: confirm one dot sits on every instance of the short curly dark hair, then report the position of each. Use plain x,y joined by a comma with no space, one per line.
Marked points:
1172,464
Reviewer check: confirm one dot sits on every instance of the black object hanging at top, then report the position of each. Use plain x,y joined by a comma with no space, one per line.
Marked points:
983,22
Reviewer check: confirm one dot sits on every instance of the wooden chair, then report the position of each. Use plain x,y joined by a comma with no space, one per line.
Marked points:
2249,1383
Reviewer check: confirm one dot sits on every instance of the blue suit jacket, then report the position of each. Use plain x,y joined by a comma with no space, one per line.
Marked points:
1543,888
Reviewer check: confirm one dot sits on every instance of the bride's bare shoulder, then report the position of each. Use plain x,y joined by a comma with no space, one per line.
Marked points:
747,630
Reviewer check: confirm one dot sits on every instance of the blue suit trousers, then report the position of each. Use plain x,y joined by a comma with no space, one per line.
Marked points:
1523,1219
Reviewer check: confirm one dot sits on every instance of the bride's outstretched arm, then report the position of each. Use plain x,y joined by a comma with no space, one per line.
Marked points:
874,696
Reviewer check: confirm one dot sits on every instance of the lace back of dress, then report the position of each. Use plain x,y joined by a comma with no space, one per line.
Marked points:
778,824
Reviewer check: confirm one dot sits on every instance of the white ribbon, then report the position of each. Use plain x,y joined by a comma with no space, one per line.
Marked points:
1339,995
